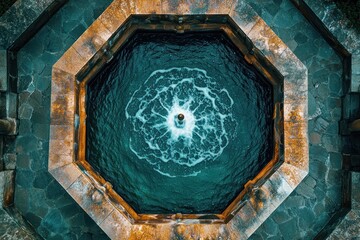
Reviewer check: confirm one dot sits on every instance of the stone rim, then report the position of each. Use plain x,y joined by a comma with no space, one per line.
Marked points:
65,119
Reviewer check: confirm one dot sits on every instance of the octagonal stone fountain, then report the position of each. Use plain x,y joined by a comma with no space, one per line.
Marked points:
179,119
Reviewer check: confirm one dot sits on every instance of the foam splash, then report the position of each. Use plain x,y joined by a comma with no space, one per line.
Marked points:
174,145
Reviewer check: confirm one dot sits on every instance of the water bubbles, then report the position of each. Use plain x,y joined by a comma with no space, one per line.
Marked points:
181,119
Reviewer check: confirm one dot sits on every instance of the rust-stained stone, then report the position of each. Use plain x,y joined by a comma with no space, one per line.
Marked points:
113,18
149,232
116,226
66,175
266,40
108,30
292,175
288,64
82,191
279,188
58,160
61,147
201,231
196,6
246,220
234,231
295,129
127,7
295,93
220,6
260,201
176,7
244,16
62,109
298,109
146,7
62,82
62,132
295,88
92,40
296,153
70,62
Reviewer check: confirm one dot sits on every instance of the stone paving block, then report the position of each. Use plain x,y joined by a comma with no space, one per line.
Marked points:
113,17
161,232
287,67
355,73
266,40
295,111
71,62
115,225
292,174
261,203
90,199
279,187
144,7
92,40
62,132
185,7
246,219
127,7
295,129
296,153
3,70
62,82
61,147
244,16
62,109
66,175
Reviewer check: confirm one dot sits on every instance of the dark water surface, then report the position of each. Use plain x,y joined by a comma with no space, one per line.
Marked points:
158,162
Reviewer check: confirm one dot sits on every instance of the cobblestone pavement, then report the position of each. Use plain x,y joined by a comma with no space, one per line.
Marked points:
40,199
307,210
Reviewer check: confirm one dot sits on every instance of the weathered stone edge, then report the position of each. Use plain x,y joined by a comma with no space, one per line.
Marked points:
280,184
347,37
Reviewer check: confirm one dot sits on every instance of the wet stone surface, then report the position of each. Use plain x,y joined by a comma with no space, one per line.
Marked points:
311,205
52,212
39,198
11,230
349,228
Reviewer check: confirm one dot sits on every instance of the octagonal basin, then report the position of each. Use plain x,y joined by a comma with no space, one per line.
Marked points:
179,123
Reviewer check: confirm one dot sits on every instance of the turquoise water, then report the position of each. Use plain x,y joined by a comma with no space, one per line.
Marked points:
179,122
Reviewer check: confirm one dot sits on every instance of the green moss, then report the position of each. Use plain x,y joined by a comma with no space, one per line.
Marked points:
351,9
5,5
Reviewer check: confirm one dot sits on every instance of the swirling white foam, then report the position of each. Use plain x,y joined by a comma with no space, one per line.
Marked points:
176,147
